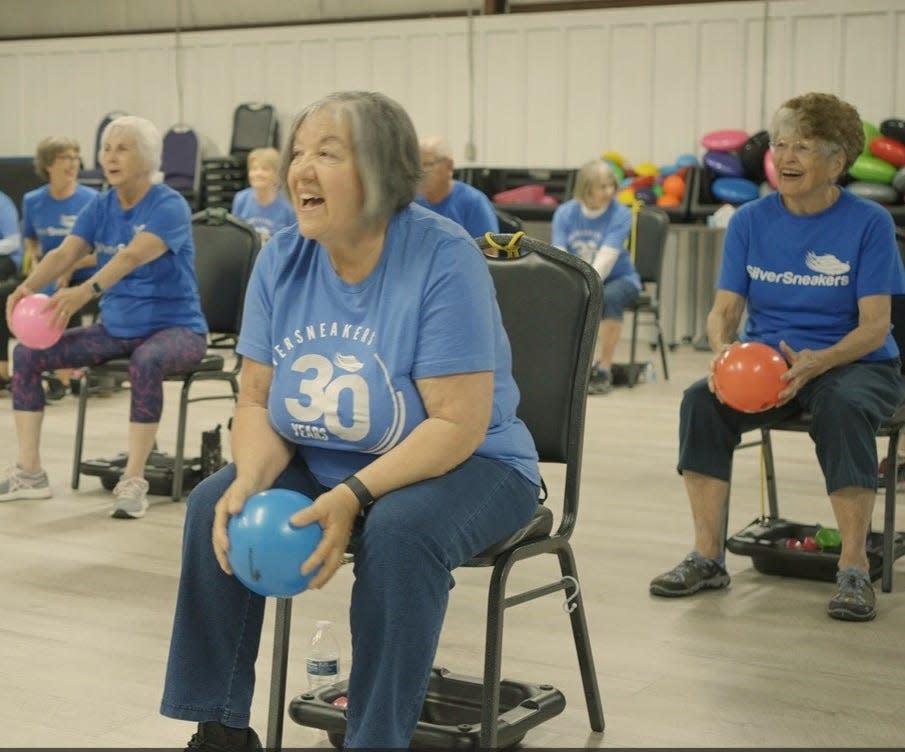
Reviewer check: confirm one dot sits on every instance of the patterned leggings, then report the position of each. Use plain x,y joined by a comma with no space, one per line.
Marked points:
150,360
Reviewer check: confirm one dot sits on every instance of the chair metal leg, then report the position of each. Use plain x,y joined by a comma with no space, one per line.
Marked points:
277,705
635,315
889,512
769,471
493,654
662,345
79,431
180,440
582,641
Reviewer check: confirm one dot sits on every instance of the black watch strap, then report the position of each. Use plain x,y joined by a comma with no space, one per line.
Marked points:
96,289
365,499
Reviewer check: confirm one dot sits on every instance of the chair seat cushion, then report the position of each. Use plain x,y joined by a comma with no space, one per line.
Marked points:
540,526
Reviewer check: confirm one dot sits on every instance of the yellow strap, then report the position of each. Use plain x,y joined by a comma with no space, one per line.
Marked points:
510,250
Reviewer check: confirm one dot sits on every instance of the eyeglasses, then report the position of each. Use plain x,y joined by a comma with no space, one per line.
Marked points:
67,157
799,148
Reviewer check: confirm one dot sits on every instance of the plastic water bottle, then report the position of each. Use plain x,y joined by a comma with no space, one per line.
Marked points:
322,663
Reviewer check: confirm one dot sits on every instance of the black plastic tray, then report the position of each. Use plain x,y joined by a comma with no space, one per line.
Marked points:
451,717
764,541
158,472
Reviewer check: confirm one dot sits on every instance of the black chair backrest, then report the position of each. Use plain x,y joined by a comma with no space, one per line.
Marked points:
897,313
509,223
181,155
650,243
254,124
550,303
105,121
225,251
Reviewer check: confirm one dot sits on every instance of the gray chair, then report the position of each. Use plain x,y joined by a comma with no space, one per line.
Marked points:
650,246
550,303
225,250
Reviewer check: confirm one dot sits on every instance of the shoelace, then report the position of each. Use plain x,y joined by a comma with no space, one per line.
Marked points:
851,582
133,486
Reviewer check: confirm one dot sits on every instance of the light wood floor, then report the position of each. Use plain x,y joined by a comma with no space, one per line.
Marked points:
88,602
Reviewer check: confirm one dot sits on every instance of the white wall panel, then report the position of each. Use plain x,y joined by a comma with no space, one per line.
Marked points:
550,89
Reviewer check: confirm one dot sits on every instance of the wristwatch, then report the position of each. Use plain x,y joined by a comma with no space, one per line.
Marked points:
96,289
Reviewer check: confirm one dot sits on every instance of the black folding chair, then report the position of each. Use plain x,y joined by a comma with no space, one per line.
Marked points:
225,250
550,302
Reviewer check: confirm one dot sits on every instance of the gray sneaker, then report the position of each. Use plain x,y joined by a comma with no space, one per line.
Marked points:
600,383
855,599
131,499
693,573
17,484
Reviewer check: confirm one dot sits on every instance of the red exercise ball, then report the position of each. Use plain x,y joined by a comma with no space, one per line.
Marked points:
747,377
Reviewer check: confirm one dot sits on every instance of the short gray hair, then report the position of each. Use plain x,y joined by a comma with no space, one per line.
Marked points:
588,173
147,138
384,145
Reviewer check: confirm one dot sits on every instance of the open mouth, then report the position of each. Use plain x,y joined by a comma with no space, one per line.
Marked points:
309,201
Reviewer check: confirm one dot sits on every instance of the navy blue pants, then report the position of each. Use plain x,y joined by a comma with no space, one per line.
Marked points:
848,404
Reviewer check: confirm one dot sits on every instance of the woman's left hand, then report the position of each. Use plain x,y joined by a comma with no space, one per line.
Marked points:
804,365
336,511
65,303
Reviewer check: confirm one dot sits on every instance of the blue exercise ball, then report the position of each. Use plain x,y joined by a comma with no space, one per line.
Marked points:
265,551
734,190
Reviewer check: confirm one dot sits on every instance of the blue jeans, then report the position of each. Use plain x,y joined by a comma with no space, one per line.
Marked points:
410,542
617,294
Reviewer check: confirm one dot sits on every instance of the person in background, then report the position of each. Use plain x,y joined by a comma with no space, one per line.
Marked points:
816,267
262,204
595,227
377,380
48,214
150,308
458,201
10,262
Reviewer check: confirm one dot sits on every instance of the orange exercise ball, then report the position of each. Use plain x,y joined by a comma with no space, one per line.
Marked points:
747,377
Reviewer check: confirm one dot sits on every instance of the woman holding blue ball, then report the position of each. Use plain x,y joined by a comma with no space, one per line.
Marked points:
376,380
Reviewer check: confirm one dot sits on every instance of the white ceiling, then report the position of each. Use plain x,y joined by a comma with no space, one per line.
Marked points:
43,18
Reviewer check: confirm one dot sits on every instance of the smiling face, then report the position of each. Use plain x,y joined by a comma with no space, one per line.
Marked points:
64,169
262,176
323,180
122,162
806,172
601,190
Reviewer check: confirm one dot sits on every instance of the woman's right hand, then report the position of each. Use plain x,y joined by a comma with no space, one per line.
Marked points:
22,291
229,505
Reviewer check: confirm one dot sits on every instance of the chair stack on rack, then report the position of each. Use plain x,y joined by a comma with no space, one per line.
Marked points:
225,249
550,304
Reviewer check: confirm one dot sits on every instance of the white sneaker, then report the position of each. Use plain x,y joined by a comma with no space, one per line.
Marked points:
131,499
17,484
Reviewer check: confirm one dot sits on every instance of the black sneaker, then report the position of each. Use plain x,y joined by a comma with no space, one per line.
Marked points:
5,386
855,599
600,383
693,573
213,736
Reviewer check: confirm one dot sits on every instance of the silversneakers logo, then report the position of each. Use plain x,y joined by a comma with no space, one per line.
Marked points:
828,272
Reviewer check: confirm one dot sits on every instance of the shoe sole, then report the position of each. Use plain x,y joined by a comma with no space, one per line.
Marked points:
714,583
844,614
25,493
122,514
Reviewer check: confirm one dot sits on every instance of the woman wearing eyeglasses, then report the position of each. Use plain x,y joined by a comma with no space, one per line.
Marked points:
816,267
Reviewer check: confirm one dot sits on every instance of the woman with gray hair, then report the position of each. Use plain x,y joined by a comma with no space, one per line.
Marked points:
377,380
150,309
816,267
595,227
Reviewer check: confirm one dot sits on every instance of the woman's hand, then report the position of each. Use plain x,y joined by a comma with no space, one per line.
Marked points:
22,291
230,504
721,350
65,303
804,365
336,511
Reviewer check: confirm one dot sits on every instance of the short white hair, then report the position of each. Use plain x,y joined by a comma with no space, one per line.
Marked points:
147,138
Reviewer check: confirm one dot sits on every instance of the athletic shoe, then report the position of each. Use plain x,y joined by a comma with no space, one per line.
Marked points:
693,573
855,599
131,499
55,389
601,383
5,386
212,736
17,484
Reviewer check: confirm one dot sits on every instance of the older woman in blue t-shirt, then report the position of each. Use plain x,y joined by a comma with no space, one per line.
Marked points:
377,381
145,279
815,266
